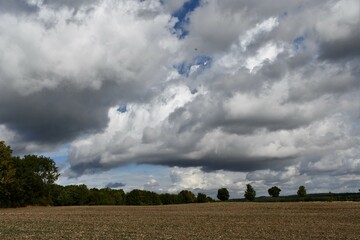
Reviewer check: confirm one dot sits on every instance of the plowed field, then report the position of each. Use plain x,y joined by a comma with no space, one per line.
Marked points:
330,220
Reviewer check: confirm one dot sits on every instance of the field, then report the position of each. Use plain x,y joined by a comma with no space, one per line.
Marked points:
320,220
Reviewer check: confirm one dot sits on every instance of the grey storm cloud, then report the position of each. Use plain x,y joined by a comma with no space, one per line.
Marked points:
29,7
58,116
115,185
345,47
59,79
17,6
268,89
69,3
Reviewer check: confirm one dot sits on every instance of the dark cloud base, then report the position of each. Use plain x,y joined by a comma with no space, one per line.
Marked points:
58,115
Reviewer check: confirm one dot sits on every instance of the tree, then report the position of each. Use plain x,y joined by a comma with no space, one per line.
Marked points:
250,193
75,195
201,198
186,196
26,181
223,194
142,197
167,198
274,191
301,192
7,169
35,179
135,197
106,196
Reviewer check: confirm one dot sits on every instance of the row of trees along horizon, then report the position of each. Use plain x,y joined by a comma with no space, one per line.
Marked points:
30,180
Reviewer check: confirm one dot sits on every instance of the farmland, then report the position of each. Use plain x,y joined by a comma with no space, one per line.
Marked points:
302,220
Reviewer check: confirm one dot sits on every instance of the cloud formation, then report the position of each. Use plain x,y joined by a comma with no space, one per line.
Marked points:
268,90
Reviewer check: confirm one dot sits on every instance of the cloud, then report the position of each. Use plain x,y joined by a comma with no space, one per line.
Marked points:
266,90
69,3
115,185
18,7
339,32
152,184
196,180
60,82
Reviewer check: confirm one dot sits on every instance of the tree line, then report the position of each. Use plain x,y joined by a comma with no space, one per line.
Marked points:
274,192
30,180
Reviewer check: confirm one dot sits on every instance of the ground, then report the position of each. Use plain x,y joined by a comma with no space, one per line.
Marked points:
320,220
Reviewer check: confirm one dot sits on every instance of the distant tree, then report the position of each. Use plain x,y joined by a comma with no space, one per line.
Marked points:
56,191
142,197
74,195
167,198
7,174
223,194
118,196
201,198
135,197
186,196
250,193
152,198
274,191
106,196
301,192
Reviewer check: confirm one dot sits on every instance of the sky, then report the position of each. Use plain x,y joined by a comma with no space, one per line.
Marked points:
166,95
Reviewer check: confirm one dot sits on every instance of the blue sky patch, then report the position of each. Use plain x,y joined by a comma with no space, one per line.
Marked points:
122,108
298,42
182,16
196,66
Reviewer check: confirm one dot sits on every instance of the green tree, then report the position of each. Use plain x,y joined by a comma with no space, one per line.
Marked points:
56,191
135,197
26,181
250,193
201,198
274,191
35,177
106,196
7,170
167,198
142,197
223,194
72,195
186,196
118,195
301,192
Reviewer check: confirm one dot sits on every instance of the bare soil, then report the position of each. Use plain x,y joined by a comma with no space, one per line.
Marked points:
320,220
